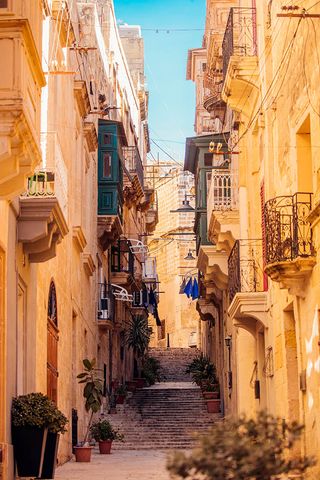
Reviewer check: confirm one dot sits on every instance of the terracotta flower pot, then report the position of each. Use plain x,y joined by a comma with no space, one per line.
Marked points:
105,446
83,454
120,399
213,406
210,395
131,385
140,382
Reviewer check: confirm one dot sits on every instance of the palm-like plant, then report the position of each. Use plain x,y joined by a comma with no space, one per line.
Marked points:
93,389
137,334
201,369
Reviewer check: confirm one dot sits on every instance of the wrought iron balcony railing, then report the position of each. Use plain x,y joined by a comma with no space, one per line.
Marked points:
223,190
288,231
122,259
133,162
245,267
240,37
41,184
106,302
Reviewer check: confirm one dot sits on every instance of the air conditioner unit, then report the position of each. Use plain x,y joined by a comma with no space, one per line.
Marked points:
137,299
104,310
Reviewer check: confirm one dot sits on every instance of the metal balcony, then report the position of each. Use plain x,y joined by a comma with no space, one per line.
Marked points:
245,268
288,231
240,37
133,162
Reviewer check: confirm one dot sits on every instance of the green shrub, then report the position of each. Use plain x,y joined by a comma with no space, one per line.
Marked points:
103,430
202,369
243,449
151,370
37,410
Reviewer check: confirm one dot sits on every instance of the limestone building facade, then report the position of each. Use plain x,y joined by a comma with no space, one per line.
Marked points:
73,205
259,262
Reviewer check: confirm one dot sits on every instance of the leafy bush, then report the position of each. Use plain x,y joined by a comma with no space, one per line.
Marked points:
201,369
37,410
137,335
242,449
151,370
121,390
103,430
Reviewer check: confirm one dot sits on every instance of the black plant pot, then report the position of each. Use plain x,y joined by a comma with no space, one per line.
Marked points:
50,455
29,445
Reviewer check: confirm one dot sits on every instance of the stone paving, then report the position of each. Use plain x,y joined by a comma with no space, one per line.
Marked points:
120,465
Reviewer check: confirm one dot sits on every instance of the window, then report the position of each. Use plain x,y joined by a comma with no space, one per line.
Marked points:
106,137
106,165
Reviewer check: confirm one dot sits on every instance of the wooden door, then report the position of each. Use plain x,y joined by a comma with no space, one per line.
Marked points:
52,346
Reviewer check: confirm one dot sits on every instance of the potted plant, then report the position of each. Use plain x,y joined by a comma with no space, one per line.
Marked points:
211,391
202,370
93,394
151,370
56,427
103,432
121,393
32,415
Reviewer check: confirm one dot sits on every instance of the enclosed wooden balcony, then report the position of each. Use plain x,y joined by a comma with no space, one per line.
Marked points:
290,252
122,263
223,207
239,51
42,223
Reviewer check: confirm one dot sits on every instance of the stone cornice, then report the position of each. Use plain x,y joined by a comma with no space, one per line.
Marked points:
88,264
90,135
249,306
82,97
79,238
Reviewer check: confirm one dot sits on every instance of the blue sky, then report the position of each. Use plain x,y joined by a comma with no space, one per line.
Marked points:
172,98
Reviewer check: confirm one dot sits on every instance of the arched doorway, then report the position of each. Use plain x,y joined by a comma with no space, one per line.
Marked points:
52,345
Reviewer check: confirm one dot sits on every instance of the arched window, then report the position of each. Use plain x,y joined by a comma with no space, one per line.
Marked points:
52,344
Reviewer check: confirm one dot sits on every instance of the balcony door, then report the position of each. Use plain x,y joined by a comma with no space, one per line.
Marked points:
52,345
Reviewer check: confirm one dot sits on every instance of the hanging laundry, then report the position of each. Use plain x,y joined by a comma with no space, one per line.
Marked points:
182,287
195,290
188,288
153,304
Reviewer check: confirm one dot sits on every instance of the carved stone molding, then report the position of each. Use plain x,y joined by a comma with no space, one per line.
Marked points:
292,274
249,308
90,135
79,238
41,226
109,230
82,97
88,264
214,266
224,229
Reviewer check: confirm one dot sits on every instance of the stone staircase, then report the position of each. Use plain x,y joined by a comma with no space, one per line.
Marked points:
166,415
174,362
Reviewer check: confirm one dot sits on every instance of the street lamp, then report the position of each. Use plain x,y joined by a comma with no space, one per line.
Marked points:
189,255
186,207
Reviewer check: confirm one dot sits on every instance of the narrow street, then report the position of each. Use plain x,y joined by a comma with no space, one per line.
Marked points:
120,465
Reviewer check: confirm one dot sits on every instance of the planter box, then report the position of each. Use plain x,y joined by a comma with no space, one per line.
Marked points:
29,447
213,406
131,385
210,395
105,446
50,456
141,382
83,454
